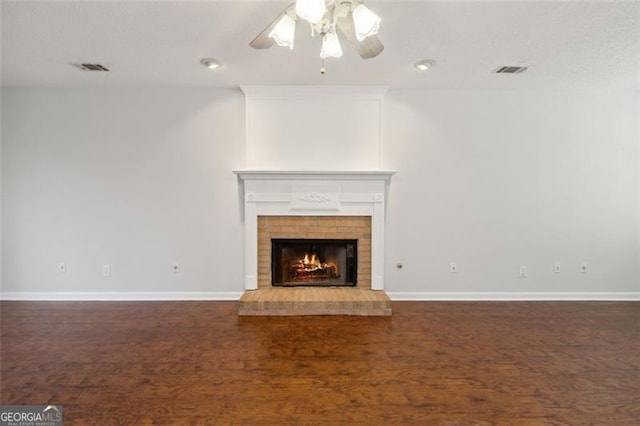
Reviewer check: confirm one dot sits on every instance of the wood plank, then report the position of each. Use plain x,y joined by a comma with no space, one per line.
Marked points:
459,363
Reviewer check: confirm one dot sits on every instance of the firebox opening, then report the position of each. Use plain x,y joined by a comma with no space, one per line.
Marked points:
314,262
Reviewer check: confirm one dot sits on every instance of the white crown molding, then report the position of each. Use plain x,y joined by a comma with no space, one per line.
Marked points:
513,296
296,92
118,296
384,175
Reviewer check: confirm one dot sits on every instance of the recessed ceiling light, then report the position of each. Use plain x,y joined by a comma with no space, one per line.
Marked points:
210,63
424,64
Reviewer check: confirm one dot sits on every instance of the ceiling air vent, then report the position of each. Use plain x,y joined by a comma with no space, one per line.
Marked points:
510,69
90,67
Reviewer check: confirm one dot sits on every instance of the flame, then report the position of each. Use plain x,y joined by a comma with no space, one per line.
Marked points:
310,262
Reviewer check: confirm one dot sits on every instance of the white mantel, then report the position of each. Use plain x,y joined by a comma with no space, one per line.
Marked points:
314,193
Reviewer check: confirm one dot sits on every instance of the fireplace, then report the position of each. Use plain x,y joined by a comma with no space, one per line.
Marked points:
294,205
319,236
314,262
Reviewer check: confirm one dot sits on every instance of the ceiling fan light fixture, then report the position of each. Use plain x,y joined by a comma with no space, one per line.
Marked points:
326,18
331,46
210,63
311,10
284,31
366,22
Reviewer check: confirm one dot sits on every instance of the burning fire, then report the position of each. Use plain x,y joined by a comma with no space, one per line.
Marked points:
310,267
311,261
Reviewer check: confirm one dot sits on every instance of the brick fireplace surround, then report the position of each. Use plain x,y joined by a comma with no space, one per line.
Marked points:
334,205
315,227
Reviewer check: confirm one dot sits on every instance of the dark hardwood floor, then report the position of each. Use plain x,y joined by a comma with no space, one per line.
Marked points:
430,363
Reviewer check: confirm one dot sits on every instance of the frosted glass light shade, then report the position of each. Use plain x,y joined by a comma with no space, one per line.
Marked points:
284,31
331,46
365,21
311,10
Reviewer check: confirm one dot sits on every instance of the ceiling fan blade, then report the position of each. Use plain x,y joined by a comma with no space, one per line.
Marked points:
368,48
262,40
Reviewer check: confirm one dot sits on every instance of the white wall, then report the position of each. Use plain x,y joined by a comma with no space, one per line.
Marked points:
131,178
495,180
314,127
138,178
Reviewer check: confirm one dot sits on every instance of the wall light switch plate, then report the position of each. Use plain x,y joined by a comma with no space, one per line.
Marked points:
557,267
523,271
106,270
62,267
175,268
453,267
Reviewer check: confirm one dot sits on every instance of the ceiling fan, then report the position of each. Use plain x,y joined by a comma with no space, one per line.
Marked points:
351,17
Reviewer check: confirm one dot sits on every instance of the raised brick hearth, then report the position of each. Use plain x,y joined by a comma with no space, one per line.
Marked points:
314,301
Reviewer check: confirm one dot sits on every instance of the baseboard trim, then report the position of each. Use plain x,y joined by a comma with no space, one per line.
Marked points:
396,296
119,296
508,296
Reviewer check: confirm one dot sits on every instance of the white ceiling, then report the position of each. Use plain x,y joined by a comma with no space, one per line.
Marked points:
587,44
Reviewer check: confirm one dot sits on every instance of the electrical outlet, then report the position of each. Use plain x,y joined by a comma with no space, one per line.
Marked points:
62,267
453,267
557,267
523,271
583,267
106,270
175,268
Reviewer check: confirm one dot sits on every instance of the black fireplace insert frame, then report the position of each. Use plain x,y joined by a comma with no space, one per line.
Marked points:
351,272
